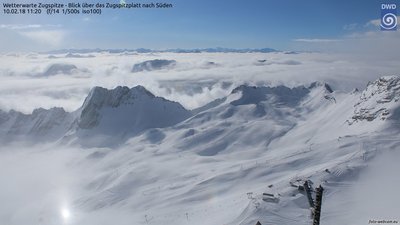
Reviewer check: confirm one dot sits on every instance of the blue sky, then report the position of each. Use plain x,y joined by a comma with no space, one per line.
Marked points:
280,24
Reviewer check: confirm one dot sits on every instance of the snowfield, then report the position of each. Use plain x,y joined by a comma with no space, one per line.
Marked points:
129,155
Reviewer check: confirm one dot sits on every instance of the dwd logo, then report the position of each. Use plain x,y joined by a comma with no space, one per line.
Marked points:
388,17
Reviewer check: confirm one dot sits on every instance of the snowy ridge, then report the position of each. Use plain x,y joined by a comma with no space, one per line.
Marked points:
378,100
280,94
110,116
96,99
175,166
127,111
41,125
121,112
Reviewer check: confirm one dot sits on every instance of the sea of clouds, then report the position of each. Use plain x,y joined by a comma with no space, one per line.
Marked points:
40,182
29,81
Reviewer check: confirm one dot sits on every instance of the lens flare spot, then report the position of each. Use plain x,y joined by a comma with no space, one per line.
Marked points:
65,213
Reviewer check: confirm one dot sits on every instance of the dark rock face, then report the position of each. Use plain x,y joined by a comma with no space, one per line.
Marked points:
280,94
378,100
98,98
59,69
136,105
150,65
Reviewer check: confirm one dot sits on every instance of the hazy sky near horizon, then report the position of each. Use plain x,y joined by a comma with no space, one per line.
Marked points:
316,25
26,82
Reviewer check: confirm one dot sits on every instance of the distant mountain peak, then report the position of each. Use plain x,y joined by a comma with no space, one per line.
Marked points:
281,94
326,86
177,50
111,115
155,64
100,97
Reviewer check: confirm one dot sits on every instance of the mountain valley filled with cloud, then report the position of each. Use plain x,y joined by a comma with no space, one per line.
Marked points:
130,137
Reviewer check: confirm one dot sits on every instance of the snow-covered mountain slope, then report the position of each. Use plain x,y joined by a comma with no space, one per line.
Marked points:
212,165
41,125
249,117
108,117
379,101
